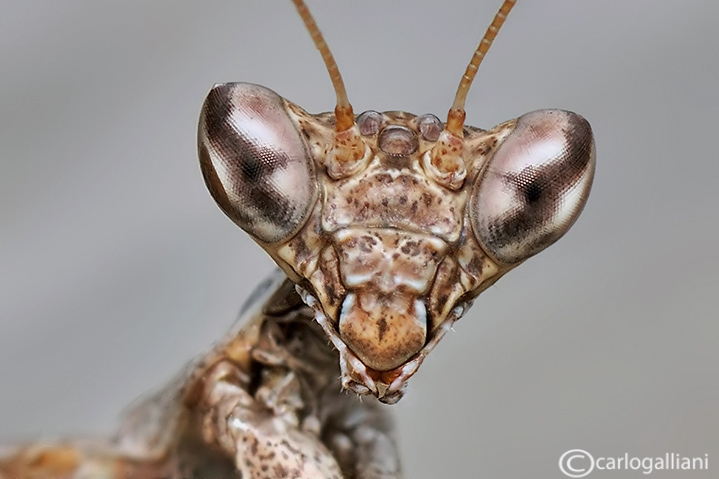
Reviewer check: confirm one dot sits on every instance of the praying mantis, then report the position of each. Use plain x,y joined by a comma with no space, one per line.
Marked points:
384,227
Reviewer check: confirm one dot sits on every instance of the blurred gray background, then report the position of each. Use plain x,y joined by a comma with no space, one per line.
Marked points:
116,266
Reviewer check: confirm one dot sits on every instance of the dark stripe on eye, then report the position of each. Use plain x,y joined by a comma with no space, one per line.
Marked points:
249,163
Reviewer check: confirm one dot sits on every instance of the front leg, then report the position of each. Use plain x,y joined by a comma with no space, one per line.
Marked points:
276,431
262,442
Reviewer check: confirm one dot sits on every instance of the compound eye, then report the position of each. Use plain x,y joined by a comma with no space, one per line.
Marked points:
255,162
534,187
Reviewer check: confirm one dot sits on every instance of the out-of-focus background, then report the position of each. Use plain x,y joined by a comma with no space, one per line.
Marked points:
116,266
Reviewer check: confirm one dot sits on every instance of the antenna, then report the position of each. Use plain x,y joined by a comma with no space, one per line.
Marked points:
343,111
455,118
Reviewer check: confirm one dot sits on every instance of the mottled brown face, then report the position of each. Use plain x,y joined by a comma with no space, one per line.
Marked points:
390,247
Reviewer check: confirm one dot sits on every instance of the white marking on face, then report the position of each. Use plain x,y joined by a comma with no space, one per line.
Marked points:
347,305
